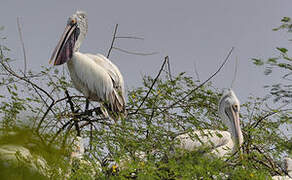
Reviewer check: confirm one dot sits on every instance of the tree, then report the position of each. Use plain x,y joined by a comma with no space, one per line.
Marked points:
165,106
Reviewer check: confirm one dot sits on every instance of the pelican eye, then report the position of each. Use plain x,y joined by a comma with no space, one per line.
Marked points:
73,21
235,108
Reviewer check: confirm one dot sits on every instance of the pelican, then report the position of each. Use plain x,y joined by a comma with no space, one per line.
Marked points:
220,142
93,75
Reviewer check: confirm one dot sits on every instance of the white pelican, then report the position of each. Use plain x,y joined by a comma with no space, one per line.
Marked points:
220,142
93,75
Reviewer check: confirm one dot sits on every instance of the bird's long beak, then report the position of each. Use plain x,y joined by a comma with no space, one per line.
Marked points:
235,124
64,49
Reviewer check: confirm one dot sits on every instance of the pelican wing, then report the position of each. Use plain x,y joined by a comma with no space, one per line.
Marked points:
96,78
219,142
90,78
116,77
110,68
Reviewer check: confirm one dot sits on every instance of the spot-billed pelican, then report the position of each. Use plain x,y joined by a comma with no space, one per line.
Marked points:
93,75
220,142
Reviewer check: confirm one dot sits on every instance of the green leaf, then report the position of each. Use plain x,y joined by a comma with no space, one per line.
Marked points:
283,50
285,19
257,62
272,60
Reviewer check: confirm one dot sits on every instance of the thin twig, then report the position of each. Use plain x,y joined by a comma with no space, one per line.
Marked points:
196,71
70,101
60,130
51,106
44,116
129,37
202,84
169,72
156,78
73,111
113,41
271,164
134,53
235,72
90,137
22,44
255,124
8,69
149,120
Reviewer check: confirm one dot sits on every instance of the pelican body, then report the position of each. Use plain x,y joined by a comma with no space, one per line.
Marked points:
220,142
93,75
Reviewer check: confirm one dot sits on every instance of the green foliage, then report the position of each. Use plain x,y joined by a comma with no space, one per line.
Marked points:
281,63
286,24
42,110
257,62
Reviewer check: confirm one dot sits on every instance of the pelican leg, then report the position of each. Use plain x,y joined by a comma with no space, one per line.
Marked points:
87,104
77,128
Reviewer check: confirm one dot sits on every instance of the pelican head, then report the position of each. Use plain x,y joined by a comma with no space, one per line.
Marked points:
229,111
75,32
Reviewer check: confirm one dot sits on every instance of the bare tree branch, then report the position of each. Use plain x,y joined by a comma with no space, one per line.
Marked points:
156,78
10,71
235,72
22,44
73,111
196,71
202,84
168,65
113,41
129,37
134,53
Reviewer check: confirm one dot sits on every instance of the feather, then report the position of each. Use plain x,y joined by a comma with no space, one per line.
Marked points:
98,79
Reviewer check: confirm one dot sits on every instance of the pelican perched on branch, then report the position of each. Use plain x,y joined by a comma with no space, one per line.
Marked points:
220,142
93,75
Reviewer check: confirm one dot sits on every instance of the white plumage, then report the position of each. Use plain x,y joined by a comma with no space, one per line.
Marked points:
93,75
220,142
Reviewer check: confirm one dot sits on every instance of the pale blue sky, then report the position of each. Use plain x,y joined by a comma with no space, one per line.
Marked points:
186,31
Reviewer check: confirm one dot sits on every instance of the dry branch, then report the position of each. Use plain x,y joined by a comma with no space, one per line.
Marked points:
202,84
151,87
113,41
22,45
